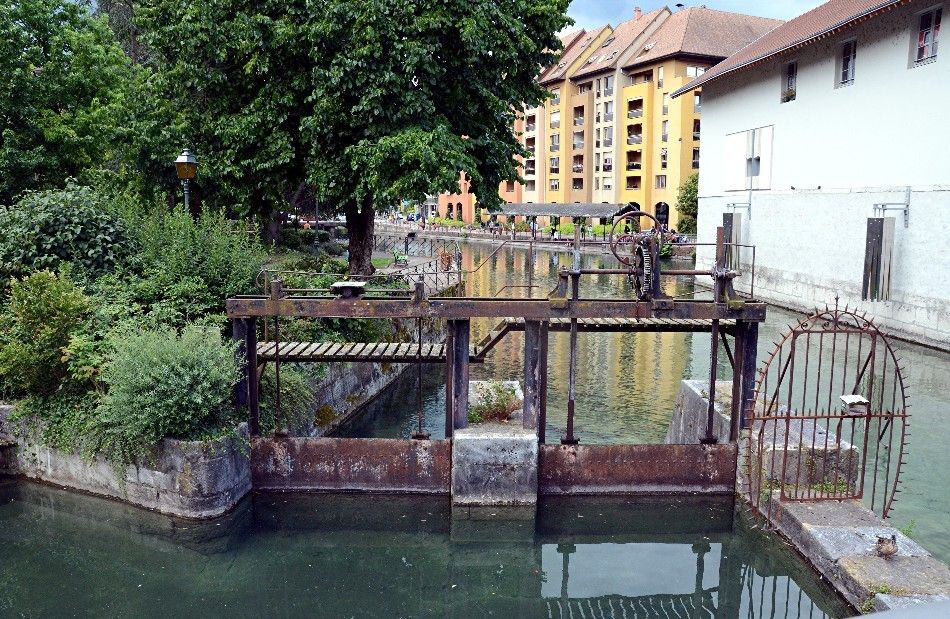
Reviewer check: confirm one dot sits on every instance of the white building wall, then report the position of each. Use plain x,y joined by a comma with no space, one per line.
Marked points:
835,152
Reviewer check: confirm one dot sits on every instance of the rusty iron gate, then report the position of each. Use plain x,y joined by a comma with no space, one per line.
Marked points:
828,419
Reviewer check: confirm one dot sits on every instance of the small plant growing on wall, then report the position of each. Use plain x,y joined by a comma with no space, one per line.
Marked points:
497,403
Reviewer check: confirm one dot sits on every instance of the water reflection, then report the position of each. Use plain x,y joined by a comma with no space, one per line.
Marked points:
387,556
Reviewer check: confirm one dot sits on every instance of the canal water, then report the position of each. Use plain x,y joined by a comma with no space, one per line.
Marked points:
67,554
627,383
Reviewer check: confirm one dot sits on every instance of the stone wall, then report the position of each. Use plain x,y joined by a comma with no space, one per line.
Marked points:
191,479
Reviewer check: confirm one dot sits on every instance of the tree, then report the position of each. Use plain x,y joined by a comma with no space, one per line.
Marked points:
64,84
369,101
687,204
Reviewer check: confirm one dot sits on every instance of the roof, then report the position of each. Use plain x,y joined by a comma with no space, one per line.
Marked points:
571,54
567,39
698,31
829,18
572,209
619,40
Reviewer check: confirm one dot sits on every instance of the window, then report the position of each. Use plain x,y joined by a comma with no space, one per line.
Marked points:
666,103
695,158
597,138
695,71
661,181
555,141
697,102
666,131
557,96
633,182
789,82
608,183
597,81
747,160
608,42
695,129
849,52
659,77
596,183
555,165
664,156
555,184
555,120
608,136
509,186
928,33
585,87
598,112
608,163
529,186
608,86
596,162
608,111
577,184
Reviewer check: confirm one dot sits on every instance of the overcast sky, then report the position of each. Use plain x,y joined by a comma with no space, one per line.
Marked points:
593,13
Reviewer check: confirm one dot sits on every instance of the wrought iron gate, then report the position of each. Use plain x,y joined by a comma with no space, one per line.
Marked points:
829,417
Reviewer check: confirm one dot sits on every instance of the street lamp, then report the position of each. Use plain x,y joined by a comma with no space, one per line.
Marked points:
186,166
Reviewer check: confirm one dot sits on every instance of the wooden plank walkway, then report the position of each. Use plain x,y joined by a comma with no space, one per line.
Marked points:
395,352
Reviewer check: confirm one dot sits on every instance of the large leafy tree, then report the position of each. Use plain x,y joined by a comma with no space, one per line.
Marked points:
687,203
367,100
63,82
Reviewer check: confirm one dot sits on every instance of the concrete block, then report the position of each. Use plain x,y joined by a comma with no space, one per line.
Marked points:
494,464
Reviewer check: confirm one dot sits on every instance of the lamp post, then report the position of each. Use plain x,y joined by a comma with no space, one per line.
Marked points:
186,166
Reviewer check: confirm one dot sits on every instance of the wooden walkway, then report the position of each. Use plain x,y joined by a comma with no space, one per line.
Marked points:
393,352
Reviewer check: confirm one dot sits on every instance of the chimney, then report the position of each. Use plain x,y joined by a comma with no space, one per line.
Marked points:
636,13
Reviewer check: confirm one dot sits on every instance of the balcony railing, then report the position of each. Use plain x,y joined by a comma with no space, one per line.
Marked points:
634,139
629,186
695,165
608,91
634,165
665,137
530,127
555,170
666,109
555,124
608,117
578,167
609,142
696,136
555,101
578,145
608,167
637,113
578,121
555,147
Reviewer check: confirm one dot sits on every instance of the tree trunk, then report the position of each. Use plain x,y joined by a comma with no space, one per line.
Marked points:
359,226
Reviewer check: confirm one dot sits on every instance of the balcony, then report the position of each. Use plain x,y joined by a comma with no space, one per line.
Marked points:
530,127
634,165
608,92
632,185
695,136
555,170
634,139
608,142
578,146
555,147
556,101
608,117
577,168
665,137
578,121
608,167
666,109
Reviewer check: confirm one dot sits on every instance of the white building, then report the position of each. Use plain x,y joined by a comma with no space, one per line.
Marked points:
810,127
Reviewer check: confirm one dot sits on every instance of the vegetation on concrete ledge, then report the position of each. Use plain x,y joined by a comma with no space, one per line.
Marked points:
496,403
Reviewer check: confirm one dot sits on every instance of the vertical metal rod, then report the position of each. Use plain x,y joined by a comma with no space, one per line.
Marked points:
277,374
186,184
737,372
569,438
253,380
710,437
750,349
532,371
449,377
543,382
460,373
419,433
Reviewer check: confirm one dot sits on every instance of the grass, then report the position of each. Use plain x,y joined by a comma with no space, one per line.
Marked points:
381,262
497,403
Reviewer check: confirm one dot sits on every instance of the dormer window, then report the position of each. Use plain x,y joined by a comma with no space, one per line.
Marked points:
608,42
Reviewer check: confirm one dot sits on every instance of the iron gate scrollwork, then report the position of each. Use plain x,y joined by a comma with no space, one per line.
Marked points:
828,420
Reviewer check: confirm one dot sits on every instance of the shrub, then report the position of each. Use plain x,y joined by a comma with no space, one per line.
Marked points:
45,229
162,384
45,312
296,400
497,402
687,203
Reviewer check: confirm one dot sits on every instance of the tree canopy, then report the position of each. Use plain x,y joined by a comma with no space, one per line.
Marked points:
687,204
61,95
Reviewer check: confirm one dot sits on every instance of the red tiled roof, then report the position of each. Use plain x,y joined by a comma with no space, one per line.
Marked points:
699,31
829,18
617,43
570,55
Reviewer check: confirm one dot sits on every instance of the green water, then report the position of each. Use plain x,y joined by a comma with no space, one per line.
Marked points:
627,383
65,554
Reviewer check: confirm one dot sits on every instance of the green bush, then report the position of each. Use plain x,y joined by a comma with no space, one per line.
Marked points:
161,384
45,229
190,267
497,402
45,311
296,400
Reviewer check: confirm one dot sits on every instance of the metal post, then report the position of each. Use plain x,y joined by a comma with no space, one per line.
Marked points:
532,374
449,377
253,383
419,433
750,351
569,438
543,382
735,413
710,437
460,373
186,183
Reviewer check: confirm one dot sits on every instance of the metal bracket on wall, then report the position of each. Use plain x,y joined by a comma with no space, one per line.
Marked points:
747,205
882,207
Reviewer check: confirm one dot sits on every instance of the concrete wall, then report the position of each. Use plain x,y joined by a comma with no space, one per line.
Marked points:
834,153
362,464
190,479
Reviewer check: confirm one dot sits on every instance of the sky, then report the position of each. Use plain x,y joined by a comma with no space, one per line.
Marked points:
594,13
